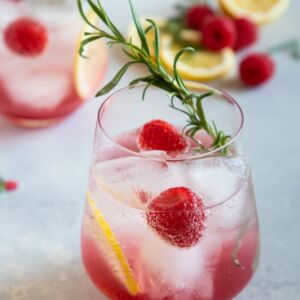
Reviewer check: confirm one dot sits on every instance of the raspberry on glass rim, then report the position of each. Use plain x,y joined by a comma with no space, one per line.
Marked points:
160,135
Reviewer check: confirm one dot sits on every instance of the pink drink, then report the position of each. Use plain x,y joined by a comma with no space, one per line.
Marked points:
217,268
122,253
40,90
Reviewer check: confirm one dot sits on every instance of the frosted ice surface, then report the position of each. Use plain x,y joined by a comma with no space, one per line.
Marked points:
134,180
216,179
222,180
176,268
39,90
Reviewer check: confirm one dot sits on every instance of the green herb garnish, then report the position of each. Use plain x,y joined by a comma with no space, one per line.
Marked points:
190,103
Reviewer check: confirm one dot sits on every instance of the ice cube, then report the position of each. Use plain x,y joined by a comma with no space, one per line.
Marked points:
235,211
134,180
223,184
173,269
39,89
216,179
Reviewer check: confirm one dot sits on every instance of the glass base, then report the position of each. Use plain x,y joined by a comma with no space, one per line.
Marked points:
33,123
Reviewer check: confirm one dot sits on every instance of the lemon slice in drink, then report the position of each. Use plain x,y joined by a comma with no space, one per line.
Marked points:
89,71
116,255
259,11
201,65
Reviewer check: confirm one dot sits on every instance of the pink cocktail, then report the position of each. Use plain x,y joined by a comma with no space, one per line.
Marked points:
160,225
42,78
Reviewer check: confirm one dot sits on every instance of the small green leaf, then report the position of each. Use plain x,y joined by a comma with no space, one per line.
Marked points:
82,13
156,43
139,28
85,42
105,19
141,79
146,88
112,84
176,73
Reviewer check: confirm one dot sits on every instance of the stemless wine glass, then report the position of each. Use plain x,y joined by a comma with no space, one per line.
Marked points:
123,254
41,88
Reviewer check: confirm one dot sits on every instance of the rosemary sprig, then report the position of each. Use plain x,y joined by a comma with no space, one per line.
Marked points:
190,103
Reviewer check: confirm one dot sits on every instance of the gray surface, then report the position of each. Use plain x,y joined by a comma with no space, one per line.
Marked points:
40,223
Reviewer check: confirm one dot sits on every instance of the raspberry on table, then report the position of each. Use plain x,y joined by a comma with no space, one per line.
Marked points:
247,33
26,36
10,186
197,15
219,33
257,68
178,216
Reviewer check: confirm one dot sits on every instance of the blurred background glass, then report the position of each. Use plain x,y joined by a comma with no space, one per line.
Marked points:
39,77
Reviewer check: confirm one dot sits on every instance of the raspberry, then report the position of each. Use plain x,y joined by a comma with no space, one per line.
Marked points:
247,33
160,135
257,68
178,216
197,15
26,37
10,185
219,33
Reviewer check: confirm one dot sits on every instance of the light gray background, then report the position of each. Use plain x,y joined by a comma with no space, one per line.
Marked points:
40,223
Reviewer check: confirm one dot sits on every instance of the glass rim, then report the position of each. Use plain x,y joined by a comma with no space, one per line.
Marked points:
73,18
218,91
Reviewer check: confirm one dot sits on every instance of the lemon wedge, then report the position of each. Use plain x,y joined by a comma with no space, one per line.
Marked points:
259,11
115,254
89,71
201,65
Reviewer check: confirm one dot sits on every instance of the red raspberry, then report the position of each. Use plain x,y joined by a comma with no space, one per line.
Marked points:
178,216
26,37
160,135
10,185
197,15
247,33
219,33
257,68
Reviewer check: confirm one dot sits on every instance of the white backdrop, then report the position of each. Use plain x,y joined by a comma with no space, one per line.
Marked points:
40,223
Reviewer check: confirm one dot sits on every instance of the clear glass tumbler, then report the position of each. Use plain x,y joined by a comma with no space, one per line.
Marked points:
124,255
42,77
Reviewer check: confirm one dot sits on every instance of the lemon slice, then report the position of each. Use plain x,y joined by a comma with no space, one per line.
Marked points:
116,255
260,11
200,65
88,72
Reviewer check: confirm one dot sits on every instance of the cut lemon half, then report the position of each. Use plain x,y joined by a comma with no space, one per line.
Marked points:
114,251
88,72
201,65
259,11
